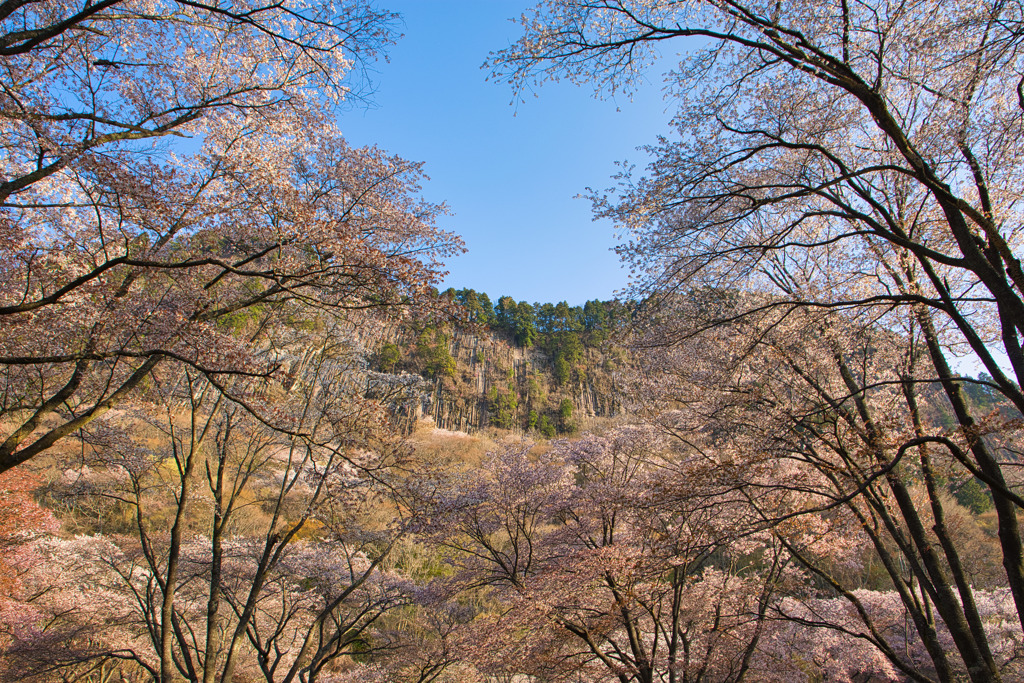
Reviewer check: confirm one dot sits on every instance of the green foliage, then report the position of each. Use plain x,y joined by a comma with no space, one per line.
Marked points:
304,323
562,370
359,646
545,317
570,347
477,305
545,324
595,316
240,320
534,390
986,398
432,354
565,417
503,406
568,319
567,350
518,319
563,332
486,310
974,496
565,409
546,428
524,329
504,313
389,357
558,318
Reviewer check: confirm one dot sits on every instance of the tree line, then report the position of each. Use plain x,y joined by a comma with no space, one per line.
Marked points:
540,323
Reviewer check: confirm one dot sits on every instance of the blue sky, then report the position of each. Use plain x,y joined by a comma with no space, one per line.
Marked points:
509,173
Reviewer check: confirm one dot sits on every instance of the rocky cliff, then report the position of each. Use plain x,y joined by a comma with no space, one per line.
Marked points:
466,380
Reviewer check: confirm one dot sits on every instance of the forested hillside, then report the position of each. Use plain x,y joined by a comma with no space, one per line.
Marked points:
244,437
544,369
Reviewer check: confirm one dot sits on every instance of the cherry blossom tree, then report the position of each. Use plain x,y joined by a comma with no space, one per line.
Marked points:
813,419
843,179
599,567
827,636
245,209
424,642
247,551
22,522
803,127
85,82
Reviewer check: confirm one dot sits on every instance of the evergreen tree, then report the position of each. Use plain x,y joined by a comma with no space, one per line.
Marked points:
388,357
524,327
486,309
595,316
565,416
505,314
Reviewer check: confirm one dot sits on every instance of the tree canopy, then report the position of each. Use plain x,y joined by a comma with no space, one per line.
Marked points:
173,183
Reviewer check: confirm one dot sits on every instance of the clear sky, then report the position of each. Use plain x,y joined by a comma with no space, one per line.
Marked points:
509,173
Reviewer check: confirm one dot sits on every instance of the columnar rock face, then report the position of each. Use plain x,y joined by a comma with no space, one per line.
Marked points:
488,370
486,379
